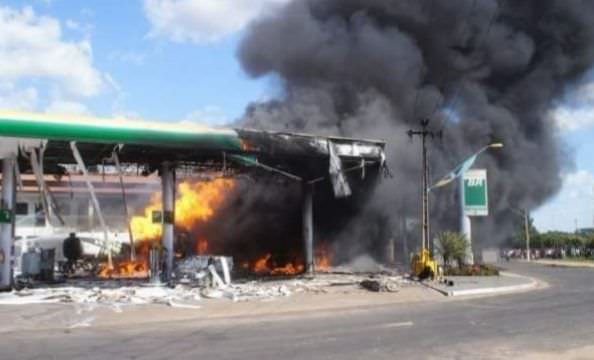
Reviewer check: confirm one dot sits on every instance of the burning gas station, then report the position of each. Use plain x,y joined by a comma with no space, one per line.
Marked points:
198,195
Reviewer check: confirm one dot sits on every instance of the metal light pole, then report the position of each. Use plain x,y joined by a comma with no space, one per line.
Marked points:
458,172
465,221
527,231
525,214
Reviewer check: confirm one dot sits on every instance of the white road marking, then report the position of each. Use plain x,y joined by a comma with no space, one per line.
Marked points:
396,325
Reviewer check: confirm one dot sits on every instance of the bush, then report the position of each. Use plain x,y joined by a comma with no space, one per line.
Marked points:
472,270
452,246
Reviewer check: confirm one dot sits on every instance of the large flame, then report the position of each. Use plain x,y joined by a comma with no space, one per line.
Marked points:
195,204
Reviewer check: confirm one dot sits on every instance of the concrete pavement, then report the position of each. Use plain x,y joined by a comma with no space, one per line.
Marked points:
486,285
553,322
564,262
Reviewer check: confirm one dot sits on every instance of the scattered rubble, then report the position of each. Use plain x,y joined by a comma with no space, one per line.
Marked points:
195,270
381,285
124,293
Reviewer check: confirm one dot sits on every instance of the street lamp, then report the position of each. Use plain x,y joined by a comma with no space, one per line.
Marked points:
526,216
459,170
458,173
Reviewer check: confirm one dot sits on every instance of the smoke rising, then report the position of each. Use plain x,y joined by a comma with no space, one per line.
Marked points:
479,69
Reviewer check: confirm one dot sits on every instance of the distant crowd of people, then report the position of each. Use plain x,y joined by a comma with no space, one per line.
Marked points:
549,253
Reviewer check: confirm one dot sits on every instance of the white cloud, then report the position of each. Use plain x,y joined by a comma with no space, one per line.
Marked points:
578,185
67,107
576,112
574,203
128,57
570,118
204,21
15,98
83,28
211,115
32,47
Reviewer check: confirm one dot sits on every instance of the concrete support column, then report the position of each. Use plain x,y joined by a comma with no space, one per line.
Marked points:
404,237
307,218
465,224
7,229
390,250
168,184
90,214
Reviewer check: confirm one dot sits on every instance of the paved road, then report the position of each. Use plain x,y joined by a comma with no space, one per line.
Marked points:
557,318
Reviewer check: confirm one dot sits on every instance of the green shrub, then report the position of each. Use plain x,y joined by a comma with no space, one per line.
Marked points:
452,246
471,270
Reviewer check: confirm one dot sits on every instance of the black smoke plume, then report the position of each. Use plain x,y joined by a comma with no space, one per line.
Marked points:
481,70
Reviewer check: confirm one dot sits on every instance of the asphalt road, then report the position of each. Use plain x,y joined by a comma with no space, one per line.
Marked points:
553,319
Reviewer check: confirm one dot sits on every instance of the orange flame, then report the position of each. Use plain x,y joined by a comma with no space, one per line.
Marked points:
288,269
126,269
195,204
202,246
261,265
265,265
323,258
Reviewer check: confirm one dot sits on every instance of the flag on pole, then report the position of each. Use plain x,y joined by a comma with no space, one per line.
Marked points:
456,173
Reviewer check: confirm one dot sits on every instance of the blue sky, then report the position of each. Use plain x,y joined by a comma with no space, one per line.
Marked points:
149,75
174,60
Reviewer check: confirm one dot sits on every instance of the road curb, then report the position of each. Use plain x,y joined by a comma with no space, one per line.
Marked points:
561,263
489,290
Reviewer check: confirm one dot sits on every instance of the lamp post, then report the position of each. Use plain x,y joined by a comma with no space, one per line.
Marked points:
458,173
465,222
526,216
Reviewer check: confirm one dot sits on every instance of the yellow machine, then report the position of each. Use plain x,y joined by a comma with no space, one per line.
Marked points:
424,267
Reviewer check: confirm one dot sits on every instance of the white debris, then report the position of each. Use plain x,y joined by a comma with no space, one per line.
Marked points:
86,322
218,282
118,295
115,297
176,304
212,293
225,267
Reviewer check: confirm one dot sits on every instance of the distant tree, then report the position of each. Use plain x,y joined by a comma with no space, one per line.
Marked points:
519,236
559,239
452,246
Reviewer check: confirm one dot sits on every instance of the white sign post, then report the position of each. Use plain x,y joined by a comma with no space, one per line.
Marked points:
474,201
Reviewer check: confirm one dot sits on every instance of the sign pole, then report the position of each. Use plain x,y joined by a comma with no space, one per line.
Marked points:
474,198
465,224
527,233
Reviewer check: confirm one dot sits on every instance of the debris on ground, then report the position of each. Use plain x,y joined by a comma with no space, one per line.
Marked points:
200,269
123,293
134,295
380,285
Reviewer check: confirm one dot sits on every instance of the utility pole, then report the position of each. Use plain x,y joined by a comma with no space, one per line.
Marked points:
525,214
423,134
527,233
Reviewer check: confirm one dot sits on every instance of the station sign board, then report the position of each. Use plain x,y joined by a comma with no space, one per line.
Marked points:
5,216
476,199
